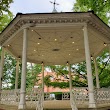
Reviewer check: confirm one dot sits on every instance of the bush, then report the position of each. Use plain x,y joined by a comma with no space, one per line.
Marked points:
58,95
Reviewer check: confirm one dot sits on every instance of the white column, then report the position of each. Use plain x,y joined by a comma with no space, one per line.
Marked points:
42,84
1,67
72,100
89,70
96,73
22,104
43,78
17,75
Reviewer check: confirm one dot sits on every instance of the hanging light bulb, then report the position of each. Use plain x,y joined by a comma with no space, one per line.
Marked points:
91,57
67,63
105,44
42,63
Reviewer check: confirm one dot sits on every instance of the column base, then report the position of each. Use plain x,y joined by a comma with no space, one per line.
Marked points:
92,105
22,107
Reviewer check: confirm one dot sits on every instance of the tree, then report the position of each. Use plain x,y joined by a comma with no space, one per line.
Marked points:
5,15
33,71
9,72
61,71
104,69
4,7
6,19
100,7
9,67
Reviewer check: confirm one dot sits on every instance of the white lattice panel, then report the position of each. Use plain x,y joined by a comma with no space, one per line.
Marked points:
103,95
65,96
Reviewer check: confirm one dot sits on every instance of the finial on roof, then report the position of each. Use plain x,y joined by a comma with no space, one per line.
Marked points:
54,4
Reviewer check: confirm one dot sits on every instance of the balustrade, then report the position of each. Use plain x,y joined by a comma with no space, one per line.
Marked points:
80,94
102,95
35,96
9,96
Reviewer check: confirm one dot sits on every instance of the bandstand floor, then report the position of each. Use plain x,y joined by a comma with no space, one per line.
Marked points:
54,105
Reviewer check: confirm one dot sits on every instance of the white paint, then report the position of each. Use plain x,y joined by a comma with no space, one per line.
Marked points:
96,73
17,74
22,104
72,100
89,69
1,67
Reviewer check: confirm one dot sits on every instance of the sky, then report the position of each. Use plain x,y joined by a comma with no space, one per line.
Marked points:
40,6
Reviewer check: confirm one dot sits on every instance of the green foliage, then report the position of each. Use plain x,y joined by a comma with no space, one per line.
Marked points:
100,7
10,63
59,69
6,18
4,7
5,15
32,75
58,95
78,78
104,69
10,72
55,84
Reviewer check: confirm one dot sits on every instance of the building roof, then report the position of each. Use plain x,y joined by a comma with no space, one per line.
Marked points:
55,38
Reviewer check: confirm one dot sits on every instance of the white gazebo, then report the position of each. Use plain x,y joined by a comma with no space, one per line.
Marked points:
55,39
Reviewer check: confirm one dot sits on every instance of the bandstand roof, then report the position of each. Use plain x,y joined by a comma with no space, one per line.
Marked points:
55,38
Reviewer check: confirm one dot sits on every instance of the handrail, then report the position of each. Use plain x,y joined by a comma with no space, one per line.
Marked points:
80,94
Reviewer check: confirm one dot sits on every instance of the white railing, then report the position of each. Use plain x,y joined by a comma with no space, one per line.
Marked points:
65,96
80,95
57,96
9,96
35,96
102,95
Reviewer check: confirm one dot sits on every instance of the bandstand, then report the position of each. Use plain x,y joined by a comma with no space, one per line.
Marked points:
55,39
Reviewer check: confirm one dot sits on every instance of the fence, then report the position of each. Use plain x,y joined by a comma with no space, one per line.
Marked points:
81,96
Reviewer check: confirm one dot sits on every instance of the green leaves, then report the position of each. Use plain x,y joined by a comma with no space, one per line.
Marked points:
5,20
61,77
9,72
4,7
100,7
5,15
32,76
